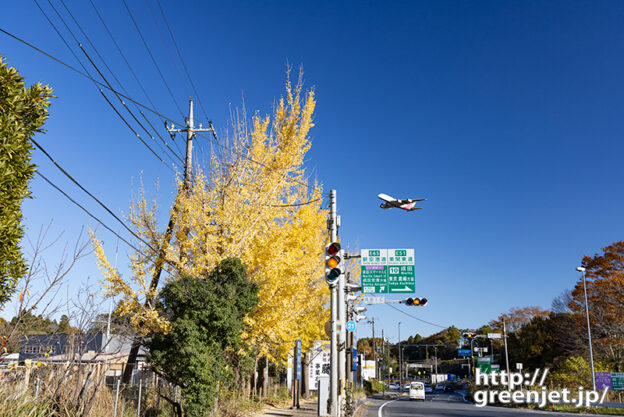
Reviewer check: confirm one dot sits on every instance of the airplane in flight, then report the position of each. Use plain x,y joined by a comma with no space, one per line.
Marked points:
406,204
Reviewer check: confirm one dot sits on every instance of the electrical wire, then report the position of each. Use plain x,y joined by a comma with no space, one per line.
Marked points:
112,73
152,57
72,179
101,75
101,222
416,318
87,211
77,71
181,59
213,139
129,111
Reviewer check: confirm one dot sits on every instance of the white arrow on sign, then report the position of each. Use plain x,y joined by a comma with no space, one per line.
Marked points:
401,289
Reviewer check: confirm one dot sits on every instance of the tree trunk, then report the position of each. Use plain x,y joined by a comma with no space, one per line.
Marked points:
305,371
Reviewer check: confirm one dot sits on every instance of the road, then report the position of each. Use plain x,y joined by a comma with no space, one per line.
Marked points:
445,405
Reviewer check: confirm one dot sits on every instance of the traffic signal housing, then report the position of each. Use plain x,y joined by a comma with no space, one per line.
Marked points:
468,336
416,302
334,256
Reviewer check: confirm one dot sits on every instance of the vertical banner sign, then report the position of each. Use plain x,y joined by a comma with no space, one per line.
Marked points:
298,360
355,360
387,271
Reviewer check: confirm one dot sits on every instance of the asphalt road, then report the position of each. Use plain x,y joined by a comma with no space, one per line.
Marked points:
445,405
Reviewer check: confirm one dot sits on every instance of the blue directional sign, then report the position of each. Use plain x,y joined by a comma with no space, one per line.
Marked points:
354,359
463,353
298,360
350,326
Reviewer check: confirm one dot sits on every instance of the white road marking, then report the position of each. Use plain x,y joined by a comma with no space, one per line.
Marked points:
379,414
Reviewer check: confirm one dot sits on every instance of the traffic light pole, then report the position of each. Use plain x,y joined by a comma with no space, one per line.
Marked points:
334,400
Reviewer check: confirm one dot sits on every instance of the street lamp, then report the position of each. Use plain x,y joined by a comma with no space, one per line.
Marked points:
591,351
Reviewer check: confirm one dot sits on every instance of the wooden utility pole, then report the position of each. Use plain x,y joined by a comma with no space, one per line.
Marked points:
160,259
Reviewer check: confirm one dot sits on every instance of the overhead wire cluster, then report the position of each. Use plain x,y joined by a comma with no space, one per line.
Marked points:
102,84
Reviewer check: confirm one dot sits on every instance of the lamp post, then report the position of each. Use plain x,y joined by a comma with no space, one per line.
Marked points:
591,351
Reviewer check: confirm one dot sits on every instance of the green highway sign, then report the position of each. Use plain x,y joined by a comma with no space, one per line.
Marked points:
617,381
387,271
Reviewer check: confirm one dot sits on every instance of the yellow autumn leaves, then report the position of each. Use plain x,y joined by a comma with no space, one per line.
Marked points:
254,203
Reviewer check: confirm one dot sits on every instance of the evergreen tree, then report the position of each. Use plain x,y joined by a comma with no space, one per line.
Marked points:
22,113
206,316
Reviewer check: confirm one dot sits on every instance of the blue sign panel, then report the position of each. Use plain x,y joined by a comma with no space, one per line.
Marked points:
463,353
350,326
298,360
354,359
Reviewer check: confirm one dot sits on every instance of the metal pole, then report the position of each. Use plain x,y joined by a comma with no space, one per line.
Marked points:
506,354
591,351
400,362
139,401
435,351
342,314
189,146
374,351
116,397
333,380
383,366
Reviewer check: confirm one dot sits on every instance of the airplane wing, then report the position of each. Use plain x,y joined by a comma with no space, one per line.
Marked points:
411,200
386,197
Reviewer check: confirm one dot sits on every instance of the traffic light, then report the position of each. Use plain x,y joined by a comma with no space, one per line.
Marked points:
333,262
468,336
416,302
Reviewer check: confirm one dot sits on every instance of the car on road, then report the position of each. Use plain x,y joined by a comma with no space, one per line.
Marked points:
449,388
417,391
394,387
439,387
428,389
406,387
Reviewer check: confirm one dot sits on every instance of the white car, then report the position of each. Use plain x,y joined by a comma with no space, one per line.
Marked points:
394,387
428,389
417,391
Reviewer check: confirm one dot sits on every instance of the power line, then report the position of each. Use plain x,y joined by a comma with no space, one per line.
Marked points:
152,57
128,110
214,138
117,79
100,221
77,71
181,58
110,35
86,211
72,179
162,38
416,318
101,75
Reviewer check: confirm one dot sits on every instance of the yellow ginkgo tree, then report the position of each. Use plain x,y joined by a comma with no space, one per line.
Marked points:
255,203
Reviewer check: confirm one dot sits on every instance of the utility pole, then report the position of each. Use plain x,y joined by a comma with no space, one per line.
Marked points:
383,366
342,339
334,400
506,354
160,259
190,133
374,350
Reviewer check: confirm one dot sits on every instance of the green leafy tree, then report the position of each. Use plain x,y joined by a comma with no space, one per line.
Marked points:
22,113
206,316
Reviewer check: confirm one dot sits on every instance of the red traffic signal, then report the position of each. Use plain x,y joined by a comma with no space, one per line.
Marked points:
333,262
416,302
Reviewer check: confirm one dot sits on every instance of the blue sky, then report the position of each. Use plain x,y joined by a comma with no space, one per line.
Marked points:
506,116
